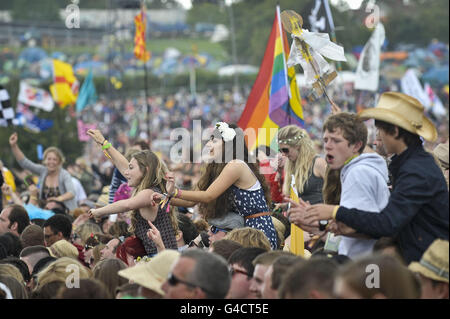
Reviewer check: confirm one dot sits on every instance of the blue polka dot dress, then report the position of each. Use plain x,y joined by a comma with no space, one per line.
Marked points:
250,202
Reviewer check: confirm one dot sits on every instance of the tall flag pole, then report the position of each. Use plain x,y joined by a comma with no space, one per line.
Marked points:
141,53
274,100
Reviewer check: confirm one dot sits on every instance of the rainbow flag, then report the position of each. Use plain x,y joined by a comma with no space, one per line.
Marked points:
275,99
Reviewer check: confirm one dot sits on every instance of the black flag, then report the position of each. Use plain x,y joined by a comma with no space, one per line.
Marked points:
6,110
317,17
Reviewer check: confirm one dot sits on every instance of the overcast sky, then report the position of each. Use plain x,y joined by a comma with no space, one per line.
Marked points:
353,4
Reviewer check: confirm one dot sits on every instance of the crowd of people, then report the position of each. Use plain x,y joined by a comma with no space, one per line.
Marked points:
145,227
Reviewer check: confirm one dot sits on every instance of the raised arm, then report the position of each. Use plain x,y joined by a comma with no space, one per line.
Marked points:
24,162
229,175
117,158
18,154
142,199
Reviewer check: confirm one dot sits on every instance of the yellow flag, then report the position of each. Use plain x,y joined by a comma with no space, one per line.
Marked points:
297,242
65,88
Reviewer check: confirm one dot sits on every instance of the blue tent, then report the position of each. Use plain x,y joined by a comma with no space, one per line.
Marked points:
32,55
437,75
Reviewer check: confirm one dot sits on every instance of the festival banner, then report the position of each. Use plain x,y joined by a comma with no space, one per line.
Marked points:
83,128
367,72
36,97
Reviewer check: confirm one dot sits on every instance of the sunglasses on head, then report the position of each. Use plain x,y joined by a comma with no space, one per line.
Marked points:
215,229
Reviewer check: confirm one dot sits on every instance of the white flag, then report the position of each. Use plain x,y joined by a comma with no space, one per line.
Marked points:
438,108
367,72
35,97
411,86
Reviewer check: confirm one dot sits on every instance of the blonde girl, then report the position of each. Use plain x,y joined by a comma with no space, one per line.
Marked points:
303,163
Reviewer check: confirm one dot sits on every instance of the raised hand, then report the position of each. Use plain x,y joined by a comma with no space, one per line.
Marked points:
6,189
13,139
96,135
170,183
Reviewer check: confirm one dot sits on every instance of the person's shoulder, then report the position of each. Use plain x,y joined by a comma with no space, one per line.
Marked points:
237,163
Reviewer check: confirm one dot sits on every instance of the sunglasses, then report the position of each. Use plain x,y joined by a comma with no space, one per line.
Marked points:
215,229
284,150
234,271
86,247
172,280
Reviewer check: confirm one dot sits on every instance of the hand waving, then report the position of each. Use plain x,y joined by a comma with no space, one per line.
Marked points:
13,139
96,135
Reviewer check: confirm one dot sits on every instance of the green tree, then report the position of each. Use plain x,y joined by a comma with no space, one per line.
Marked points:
207,12
38,10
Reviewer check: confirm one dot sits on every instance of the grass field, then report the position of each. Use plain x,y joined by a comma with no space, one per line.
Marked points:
156,46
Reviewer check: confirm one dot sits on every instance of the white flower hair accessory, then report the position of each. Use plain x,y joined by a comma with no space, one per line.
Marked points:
227,132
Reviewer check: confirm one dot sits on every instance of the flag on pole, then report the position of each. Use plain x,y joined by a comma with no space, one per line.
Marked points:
87,95
297,246
140,51
318,17
438,108
411,86
367,72
275,99
35,97
6,109
82,128
65,87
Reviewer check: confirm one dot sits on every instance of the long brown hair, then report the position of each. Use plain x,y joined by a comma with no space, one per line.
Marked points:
154,170
331,190
222,205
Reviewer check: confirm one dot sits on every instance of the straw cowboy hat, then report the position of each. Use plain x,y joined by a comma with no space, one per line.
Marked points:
434,262
404,111
152,274
441,152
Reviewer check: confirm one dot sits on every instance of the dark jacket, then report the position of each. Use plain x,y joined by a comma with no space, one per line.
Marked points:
417,211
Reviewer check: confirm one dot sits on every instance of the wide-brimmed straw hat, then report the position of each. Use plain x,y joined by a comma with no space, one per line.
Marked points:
441,152
434,262
152,274
404,111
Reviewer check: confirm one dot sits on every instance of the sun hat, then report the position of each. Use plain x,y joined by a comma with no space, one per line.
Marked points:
441,152
404,111
434,262
152,274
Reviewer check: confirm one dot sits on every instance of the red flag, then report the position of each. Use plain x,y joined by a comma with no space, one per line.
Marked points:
140,50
